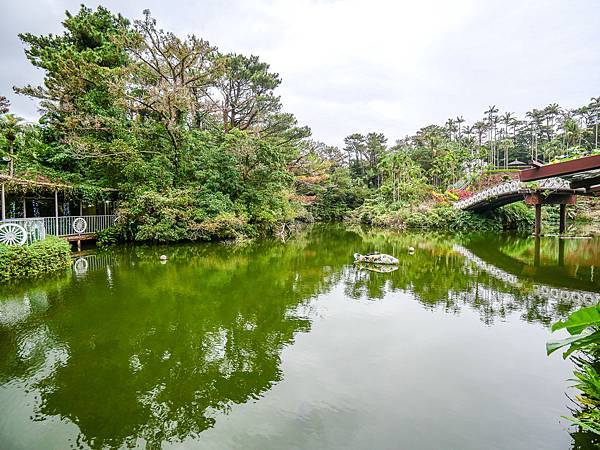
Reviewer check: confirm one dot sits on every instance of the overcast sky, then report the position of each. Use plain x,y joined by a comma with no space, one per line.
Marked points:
376,65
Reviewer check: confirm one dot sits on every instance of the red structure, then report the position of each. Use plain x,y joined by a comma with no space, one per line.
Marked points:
583,175
582,172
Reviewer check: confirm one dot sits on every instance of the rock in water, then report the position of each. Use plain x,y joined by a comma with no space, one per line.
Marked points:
375,258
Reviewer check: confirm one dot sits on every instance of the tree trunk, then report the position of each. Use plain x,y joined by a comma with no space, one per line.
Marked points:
11,163
596,141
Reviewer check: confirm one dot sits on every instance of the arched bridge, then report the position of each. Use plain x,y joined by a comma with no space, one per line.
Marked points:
551,184
510,192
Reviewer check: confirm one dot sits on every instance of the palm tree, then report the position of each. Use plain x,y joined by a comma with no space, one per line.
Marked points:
468,131
572,131
535,117
595,108
552,111
584,114
491,114
459,121
480,126
467,140
495,122
507,120
450,127
10,128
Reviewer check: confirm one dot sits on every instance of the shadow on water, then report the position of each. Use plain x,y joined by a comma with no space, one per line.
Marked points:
131,350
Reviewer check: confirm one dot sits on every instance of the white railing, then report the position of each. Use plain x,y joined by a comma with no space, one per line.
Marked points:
487,194
509,188
583,298
63,226
36,231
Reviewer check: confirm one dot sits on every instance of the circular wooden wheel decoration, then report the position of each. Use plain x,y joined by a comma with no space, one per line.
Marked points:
12,234
79,225
80,266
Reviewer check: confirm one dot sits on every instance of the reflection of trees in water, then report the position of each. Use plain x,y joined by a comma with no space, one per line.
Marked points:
158,354
446,275
143,351
578,252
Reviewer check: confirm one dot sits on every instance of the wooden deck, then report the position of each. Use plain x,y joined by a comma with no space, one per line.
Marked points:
81,237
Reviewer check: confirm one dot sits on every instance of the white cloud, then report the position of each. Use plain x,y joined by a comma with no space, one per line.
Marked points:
380,65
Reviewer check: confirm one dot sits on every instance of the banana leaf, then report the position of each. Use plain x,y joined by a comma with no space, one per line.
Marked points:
580,320
575,342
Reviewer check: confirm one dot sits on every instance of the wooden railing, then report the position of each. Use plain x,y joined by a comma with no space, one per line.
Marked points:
63,226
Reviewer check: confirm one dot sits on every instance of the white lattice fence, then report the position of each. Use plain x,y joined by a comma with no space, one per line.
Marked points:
509,188
38,227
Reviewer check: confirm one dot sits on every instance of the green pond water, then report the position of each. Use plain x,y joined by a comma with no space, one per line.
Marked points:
277,345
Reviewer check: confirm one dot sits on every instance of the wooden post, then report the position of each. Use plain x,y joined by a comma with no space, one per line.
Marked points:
3,203
563,219
538,219
56,211
537,252
24,208
80,208
562,199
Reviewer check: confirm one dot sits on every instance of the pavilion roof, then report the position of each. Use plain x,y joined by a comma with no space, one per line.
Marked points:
43,183
516,162
39,182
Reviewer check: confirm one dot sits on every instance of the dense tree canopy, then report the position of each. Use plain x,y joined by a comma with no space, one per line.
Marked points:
198,145
164,119
4,103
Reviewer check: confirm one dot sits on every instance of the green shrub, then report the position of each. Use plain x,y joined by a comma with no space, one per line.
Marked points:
162,217
110,236
186,215
442,218
339,196
41,257
583,328
447,218
516,216
225,226
374,211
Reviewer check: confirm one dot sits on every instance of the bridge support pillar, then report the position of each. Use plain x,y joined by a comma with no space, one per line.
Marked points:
538,219
562,227
538,199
